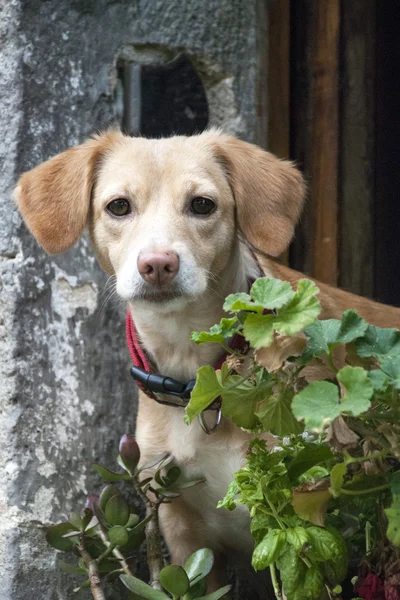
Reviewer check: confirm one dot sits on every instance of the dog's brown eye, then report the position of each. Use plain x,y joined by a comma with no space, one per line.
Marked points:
202,206
119,207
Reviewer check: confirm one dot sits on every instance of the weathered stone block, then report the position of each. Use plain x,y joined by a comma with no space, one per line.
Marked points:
65,391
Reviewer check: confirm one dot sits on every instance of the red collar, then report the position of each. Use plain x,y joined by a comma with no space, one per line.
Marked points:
142,362
138,355
151,384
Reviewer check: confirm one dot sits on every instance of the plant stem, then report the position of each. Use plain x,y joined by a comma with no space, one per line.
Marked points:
93,571
359,459
106,553
275,583
332,364
368,541
378,488
153,537
275,515
115,551
153,541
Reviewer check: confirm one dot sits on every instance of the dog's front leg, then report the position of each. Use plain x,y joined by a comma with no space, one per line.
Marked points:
185,531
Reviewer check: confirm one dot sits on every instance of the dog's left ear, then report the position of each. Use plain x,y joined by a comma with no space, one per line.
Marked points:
269,193
54,197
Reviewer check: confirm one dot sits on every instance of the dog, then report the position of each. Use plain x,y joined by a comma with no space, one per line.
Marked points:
173,219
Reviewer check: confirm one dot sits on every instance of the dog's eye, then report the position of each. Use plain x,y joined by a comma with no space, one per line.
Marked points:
202,206
119,207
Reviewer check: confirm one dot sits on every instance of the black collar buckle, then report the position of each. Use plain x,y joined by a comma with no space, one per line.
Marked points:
163,385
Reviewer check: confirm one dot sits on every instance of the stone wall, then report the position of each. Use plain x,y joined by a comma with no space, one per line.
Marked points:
65,392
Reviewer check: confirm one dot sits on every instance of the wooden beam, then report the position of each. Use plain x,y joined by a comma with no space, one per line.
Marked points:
300,123
387,202
357,147
279,82
279,78
324,148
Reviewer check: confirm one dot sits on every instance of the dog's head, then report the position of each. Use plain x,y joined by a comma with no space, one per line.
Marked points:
163,214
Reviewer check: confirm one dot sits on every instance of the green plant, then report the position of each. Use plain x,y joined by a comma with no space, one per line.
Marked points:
106,534
328,487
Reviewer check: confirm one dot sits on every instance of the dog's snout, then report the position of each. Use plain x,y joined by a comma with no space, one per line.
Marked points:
158,268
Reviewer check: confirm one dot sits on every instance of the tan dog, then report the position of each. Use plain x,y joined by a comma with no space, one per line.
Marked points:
164,217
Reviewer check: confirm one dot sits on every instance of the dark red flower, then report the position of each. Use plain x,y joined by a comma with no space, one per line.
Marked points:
371,588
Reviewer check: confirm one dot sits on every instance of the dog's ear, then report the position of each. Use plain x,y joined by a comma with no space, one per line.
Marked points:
54,197
269,193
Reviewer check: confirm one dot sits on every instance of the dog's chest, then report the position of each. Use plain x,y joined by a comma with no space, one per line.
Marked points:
215,459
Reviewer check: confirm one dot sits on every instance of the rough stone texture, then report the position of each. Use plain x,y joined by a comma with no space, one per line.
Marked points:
65,393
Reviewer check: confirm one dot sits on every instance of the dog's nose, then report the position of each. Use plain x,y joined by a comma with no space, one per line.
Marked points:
158,268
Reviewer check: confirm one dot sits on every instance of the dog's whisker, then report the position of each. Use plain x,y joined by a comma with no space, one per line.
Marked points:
111,296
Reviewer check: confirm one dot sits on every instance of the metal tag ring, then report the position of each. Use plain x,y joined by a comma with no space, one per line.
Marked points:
210,430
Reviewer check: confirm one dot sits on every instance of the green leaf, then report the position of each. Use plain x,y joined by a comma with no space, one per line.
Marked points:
118,535
117,511
335,570
206,390
259,330
133,520
299,581
260,525
229,501
391,368
217,333
141,589
70,568
393,515
327,334
316,472
84,585
239,302
107,492
88,520
271,293
292,571
337,478
197,590
320,334
379,380
318,405
276,415
313,454
239,403
352,327
323,545
154,461
379,343
359,390
199,564
54,536
216,595
108,475
313,583
174,579
75,519
301,311
268,549
297,537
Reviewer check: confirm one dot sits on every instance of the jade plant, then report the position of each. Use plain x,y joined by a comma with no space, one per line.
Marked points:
106,534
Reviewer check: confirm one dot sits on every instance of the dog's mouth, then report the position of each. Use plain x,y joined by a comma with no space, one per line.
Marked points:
153,295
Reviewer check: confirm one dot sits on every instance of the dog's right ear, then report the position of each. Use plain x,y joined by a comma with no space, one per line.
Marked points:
54,197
